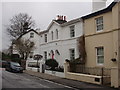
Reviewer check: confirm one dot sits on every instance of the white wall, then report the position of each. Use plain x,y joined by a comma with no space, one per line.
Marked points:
63,43
35,39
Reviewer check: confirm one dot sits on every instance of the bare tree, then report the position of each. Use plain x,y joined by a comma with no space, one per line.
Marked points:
24,47
20,24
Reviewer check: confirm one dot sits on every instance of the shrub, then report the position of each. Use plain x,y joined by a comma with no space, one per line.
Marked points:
51,63
59,69
75,61
5,56
15,58
73,64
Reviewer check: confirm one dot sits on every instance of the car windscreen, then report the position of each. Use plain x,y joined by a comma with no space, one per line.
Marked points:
15,64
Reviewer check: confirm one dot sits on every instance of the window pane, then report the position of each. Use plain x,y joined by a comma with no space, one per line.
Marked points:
31,35
45,55
52,34
56,33
99,23
100,55
72,54
100,59
72,31
100,51
45,37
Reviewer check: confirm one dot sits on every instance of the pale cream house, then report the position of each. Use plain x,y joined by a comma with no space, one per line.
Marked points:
101,31
102,40
102,43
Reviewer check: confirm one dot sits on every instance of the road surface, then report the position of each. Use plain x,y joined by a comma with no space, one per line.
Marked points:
23,80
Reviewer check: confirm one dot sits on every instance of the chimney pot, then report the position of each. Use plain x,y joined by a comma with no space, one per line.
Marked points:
64,18
58,17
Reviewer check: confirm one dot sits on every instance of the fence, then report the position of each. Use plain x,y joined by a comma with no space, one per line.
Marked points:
90,70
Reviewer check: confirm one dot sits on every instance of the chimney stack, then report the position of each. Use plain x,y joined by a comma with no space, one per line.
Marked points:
98,5
59,17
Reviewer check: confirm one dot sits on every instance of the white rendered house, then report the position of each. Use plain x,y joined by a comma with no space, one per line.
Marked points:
33,36
59,41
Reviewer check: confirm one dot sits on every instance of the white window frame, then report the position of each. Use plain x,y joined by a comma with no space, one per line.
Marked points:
52,35
101,64
31,35
72,55
57,34
45,55
99,23
72,31
31,54
45,37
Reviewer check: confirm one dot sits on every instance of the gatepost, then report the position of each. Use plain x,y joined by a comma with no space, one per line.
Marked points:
66,67
114,77
41,66
27,64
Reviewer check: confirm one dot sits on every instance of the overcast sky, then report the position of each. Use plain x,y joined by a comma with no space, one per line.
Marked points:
42,12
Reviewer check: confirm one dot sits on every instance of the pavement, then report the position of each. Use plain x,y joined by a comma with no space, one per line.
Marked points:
68,82
23,81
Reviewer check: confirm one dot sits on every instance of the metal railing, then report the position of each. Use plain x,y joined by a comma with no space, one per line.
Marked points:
90,70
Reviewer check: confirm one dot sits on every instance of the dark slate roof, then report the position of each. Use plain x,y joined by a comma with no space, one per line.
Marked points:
45,31
27,32
109,8
60,21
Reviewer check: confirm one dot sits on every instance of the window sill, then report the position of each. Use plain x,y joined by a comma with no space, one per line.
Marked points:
99,31
100,65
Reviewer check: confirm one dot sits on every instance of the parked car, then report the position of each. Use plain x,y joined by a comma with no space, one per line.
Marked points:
13,67
3,63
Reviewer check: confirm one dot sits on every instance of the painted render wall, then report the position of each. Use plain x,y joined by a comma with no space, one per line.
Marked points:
107,38
63,43
35,40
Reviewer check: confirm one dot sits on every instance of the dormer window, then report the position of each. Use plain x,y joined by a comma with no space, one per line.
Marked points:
99,24
31,35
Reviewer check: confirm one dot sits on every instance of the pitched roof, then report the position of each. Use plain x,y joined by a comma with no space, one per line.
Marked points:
60,21
45,31
71,22
109,8
27,32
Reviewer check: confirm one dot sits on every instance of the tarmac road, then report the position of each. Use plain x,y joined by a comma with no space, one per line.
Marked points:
23,80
